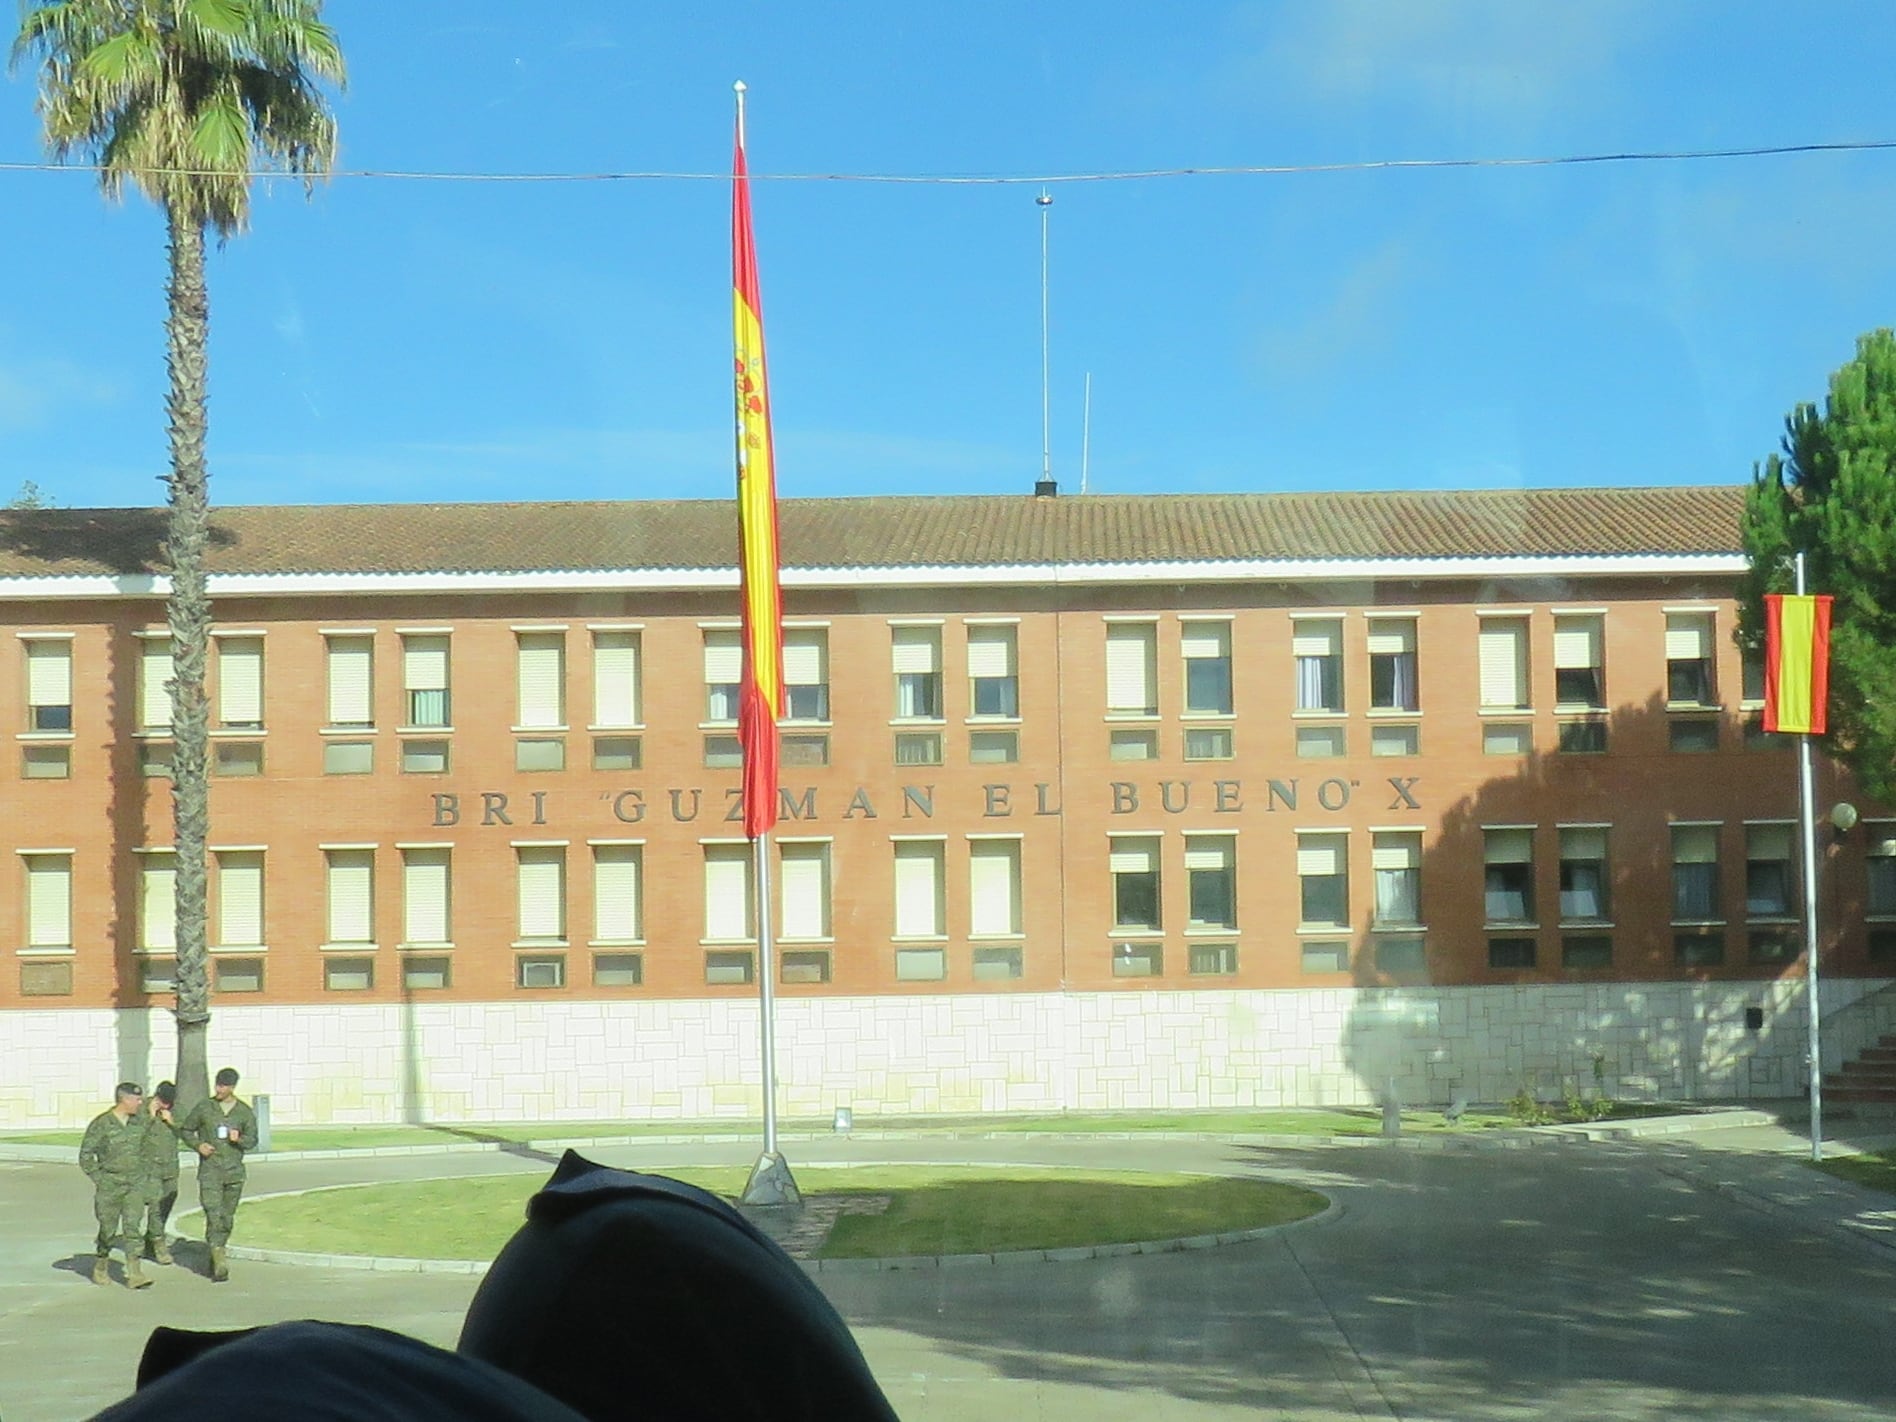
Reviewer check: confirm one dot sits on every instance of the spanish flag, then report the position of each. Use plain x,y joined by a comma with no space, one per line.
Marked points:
1796,662
760,700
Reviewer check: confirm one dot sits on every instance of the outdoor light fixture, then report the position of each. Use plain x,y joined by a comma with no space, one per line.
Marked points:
842,1120
1843,817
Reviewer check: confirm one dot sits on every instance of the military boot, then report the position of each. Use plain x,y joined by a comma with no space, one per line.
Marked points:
160,1251
219,1270
134,1270
100,1274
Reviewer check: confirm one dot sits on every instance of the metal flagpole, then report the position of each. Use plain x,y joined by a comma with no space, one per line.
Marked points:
1807,826
766,991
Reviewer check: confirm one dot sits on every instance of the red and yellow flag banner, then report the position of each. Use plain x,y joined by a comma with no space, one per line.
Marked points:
760,700
1796,662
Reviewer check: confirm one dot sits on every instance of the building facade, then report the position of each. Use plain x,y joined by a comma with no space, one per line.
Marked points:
1088,803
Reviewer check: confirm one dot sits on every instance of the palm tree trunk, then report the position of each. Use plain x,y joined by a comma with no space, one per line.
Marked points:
187,330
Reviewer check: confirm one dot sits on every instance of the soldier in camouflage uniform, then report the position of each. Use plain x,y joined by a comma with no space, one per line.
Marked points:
221,1129
160,1155
112,1156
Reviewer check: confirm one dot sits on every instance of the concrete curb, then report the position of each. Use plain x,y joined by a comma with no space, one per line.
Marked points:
1069,1254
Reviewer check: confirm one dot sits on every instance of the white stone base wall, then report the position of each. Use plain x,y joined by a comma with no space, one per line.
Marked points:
697,1060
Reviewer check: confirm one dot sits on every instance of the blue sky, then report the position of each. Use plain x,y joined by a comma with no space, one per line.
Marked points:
1498,327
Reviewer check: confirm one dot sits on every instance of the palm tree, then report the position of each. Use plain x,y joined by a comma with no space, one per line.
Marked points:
184,99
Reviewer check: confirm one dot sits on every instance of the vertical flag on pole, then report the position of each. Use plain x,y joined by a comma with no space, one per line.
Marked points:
761,698
1796,662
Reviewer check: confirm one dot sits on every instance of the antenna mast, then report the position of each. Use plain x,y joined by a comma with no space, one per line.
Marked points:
1046,485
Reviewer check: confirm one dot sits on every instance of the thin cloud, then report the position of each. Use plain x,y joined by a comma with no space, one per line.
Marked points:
34,392
1354,316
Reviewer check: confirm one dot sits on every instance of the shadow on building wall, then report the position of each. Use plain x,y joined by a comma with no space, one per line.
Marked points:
126,810
1529,979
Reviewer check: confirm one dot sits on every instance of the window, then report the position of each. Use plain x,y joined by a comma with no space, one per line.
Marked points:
729,895
916,656
48,685
729,969
157,902
1138,960
1132,683
723,675
1508,874
425,758
427,973
1511,953
1395,740
1585,952
1579,669
48,900
1212,960
920,965
541,877
1698,948
723,753
1583,874
1751,674
1695,874
541,680
995,964
45,762
350,881
1582,737
1880,861
427,895
240,683
616,660
1209,743
1692,735
993,747
617,753
920,875
425,679
1323,880
1506,739
239,898
1316,644
1134,864
154,684
618,893
154,760
48,979
237,974
805,751
1392,677
1759,739
804,966
348,974
1395,858
238,758
1321,742
539,753
1501,648
1769,881
1207,648
993,888
806,674
540,970
1211,881
348,757
1133,745
157,975
918,748
803,880
1325,958
1771,945
1689,680
1402,955
993,676
351,665
618,969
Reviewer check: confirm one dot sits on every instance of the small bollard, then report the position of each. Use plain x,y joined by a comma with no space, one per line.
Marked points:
261,1105
1392,1113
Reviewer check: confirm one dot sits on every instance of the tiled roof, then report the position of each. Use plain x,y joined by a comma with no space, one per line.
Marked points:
917,531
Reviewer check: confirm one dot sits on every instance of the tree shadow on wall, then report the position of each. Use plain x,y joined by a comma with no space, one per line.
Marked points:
1556,947
94,541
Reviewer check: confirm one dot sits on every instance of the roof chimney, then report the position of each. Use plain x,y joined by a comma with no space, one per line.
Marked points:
1045,488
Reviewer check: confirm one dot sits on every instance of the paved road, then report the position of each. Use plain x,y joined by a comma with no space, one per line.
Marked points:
1644,1279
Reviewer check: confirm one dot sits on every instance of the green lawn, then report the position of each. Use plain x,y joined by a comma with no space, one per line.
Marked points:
1876,1169
932,1210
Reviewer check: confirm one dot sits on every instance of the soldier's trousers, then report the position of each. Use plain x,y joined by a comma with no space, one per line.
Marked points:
160,1196
219,1196
118,1202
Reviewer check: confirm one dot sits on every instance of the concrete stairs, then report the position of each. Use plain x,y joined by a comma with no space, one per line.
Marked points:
1868,1079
